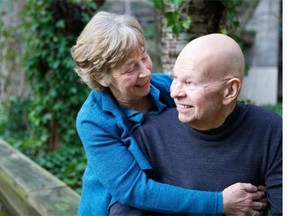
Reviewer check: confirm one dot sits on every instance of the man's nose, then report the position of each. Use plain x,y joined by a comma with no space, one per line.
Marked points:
176,90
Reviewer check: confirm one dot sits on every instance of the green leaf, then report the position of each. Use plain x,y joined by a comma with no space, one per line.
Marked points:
172,18
187,22
177,28
60,24
176,3
158,4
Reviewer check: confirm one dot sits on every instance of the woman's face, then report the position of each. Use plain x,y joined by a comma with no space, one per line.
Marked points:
131,81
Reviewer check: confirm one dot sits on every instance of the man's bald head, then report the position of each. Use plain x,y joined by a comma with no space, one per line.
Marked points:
218,53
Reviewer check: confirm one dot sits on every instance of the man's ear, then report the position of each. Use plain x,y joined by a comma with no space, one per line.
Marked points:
104,81
231,91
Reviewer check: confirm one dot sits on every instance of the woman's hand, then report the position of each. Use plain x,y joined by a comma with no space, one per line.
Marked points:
244,199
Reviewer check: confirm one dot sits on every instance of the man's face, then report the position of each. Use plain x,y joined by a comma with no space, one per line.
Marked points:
198,97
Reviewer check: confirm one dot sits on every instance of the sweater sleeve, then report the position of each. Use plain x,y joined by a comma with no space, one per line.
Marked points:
118,171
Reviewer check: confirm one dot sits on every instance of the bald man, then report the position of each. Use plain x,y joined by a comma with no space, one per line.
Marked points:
217,141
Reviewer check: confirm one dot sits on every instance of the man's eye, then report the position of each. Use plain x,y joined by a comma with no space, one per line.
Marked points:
190,85
129,72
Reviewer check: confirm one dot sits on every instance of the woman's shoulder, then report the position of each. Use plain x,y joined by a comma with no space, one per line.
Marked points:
161,78
98,107
91,104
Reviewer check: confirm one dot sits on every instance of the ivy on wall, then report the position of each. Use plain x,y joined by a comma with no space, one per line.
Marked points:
51,28
178,20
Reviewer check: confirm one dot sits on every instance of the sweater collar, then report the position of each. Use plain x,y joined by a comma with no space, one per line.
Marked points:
138,117
229,124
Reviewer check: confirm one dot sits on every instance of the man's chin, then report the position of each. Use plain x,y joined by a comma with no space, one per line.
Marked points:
183,118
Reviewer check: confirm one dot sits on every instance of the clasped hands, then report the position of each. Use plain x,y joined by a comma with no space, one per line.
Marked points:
245,199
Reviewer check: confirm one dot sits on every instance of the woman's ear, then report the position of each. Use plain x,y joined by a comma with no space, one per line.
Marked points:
101,80
231,91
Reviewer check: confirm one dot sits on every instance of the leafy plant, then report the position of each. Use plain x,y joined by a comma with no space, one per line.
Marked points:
276,108
51,28
177,20
232,23
67,163
45,120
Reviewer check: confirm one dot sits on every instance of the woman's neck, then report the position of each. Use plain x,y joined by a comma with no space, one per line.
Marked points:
143,105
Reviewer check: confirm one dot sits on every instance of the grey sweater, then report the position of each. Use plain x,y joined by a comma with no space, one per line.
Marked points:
246,148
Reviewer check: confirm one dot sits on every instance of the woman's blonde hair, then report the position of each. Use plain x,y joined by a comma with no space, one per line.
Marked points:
107,41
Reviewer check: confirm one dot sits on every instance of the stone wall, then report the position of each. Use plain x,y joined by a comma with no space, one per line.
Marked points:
12,77
263,83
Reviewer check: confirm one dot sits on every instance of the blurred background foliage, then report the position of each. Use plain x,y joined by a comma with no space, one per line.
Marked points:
40,119
41,123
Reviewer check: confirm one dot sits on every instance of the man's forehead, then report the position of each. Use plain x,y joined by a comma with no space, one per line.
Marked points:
186,64
185,73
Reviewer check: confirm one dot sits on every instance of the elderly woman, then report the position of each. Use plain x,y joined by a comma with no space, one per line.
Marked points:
111,58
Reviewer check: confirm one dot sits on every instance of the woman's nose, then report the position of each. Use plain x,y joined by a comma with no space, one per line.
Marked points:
144,70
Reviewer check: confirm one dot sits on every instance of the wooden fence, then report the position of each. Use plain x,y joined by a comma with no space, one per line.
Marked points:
28,189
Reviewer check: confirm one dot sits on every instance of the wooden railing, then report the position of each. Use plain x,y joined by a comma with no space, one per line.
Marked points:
26,189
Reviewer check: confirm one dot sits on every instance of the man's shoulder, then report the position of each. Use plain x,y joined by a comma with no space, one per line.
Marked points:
158,122
262,113
158,127
260,117
168,114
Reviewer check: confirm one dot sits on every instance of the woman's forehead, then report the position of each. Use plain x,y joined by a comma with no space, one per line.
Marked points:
134,54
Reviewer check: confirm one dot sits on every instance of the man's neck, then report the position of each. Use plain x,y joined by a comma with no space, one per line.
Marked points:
218,120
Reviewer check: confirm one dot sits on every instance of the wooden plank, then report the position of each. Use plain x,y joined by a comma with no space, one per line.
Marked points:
55,202
28,189
13,197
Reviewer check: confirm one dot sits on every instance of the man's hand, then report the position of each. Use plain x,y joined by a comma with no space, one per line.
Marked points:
244,199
